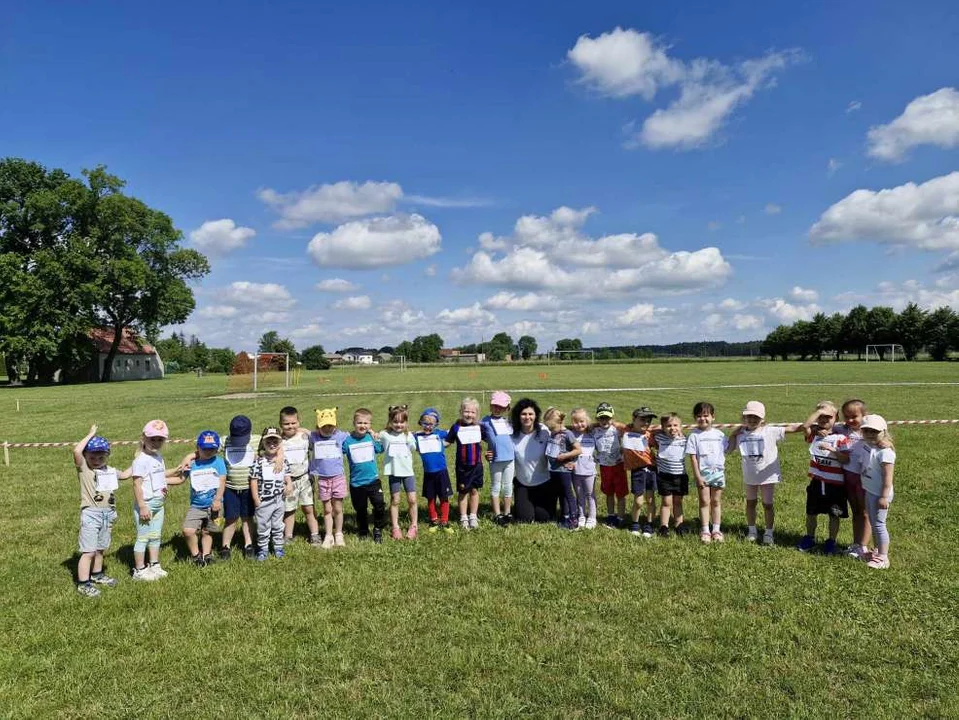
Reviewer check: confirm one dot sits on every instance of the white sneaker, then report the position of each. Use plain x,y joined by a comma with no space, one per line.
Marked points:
878,562
158,572
328,541
854,551
473,522
751,536
145,574
590,524
465,523
768,538
582,522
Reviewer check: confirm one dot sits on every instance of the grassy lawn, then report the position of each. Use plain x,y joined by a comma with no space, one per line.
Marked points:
497,623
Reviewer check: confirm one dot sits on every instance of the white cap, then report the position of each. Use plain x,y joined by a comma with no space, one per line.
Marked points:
754,407
873,422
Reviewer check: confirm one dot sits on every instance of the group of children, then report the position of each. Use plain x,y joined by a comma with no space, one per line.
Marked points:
266,477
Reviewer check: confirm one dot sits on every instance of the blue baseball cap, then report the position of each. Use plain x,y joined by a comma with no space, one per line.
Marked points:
240,427
208,440
433,413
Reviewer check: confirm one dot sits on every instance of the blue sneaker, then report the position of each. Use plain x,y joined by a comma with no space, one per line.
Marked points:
829,547
261,556
279,554
807,543
634,529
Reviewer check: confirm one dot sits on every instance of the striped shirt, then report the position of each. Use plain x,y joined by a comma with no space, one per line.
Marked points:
670,453
822,465
468,453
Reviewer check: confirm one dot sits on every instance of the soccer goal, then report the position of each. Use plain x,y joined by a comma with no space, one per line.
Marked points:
401,359
271,370
885,351
567,355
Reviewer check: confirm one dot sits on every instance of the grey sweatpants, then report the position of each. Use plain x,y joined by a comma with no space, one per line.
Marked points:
269,522
877,519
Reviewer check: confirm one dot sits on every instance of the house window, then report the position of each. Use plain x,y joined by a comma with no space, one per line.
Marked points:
147,364
138,363
128,364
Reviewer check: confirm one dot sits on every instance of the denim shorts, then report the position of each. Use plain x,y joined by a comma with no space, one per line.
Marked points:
96,528
643,480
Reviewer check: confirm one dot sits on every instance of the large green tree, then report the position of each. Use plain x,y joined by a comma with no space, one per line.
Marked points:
527,346
938,332
908,329
313,359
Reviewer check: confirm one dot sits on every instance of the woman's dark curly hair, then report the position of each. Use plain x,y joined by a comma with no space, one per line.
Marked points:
519,407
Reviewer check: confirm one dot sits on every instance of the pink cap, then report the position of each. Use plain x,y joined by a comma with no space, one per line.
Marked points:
156,428
754,407
500,399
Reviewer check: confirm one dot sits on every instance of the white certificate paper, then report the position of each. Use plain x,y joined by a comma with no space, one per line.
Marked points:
326,450
107,480
635,441
430,444
361,452
502,426
399,450
203,479
468,434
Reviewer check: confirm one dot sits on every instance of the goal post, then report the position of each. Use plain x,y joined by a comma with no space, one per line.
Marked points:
885,351
401,359
271,370
565,355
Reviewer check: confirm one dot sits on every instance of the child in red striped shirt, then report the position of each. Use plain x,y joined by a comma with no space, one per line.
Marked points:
826,492
466,433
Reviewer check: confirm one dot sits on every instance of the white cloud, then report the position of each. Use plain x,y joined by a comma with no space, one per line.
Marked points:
590,328
312,333
524,327
336,285
360,331
773,209
358,302
529,301
624,62
853,106
833,165
472,316
430,271
398,316
639,314
732,305
256,295
928,120
552,253
448,202
925,216
787,312
220,236
943,294
331,203
803,295
374,242
747,322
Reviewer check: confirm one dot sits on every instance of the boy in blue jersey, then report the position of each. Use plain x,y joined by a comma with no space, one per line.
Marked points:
360,449
207,485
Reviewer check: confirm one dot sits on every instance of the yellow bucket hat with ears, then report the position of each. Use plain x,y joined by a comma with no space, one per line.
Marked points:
325,416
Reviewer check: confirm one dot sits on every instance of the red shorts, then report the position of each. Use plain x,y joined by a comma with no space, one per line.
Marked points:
612,480
853,483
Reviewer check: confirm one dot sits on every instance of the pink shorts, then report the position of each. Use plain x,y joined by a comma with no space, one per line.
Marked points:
331,487
853,482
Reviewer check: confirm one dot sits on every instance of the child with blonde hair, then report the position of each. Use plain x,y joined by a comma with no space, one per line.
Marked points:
669,444
757,443
296,446
326,467
584,474
826,493
561,453
361,448
497,432
467,435
98,486
853,411
398,446
150,481
877,458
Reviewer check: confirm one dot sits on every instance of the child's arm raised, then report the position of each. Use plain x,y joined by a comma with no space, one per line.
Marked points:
82,445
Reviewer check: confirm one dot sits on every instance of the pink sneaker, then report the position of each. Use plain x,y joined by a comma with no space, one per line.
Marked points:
411,533
397,533
718,537
878,562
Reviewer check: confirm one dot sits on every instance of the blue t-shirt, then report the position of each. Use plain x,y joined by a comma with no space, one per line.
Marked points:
434,459
498,434
361,455
203,475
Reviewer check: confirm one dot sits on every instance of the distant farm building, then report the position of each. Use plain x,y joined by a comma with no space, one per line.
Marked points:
135,359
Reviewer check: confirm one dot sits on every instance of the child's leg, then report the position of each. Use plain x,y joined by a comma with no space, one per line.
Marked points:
650,506
638,504
716,507
312,523
328,515
463,505
206,543
431,508
289,519
678,516
509,471
229,530
263,517
156,532
413,508
379,506
704,505
833,527
358,496
811,523
337,516
866,520
579,489
496,485
444,510
769,513
665,510
877,520
752,497
610,504
276,524
189,534
591,499
395,508
474,502
247,530
140,544
84,565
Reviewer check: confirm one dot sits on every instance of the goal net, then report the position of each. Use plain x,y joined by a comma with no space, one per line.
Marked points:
888,351
260,371
570,355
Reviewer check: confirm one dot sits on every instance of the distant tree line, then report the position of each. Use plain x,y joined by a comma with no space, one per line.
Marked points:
916,329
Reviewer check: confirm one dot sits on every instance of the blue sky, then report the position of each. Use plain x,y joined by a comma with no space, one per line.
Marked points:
616,171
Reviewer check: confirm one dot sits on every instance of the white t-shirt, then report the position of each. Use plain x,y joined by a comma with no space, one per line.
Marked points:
585,462
709,447
855,439
760,454
608,449
531,466
872,460
153,471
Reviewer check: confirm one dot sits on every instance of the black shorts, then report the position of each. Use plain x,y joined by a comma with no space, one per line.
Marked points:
236,504
437,485
670,484
642,480
469,477
826,499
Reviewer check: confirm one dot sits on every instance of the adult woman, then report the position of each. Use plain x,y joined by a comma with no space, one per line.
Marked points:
534,496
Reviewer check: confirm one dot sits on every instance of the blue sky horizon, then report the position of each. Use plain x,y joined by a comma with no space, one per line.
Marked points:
617,172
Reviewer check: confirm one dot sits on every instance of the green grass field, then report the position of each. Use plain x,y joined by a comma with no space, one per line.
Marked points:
496,623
